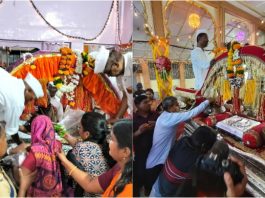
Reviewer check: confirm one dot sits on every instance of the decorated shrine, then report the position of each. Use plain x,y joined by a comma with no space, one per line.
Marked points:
72,73
236,82
227,67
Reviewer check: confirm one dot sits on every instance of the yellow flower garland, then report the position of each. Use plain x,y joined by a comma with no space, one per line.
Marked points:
239,74
160,47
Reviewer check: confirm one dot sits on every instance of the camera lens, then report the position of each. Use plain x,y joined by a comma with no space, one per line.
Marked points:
225,163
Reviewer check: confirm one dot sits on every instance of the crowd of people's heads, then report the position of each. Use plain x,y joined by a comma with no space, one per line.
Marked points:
200,142
116,144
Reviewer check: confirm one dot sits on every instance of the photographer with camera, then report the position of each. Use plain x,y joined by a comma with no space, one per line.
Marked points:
166,129
188,171
181,160
238,189
223,173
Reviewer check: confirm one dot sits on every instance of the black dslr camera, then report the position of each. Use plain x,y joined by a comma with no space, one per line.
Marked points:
216,162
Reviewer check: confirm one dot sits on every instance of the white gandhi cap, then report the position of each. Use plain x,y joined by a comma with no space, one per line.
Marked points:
34,85
199,32
101,57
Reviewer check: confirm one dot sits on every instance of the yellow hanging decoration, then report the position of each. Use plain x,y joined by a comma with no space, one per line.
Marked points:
249,96
226,90
160,47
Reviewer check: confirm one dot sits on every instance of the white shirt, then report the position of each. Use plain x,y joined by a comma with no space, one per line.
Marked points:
126,80
165,133
59,107
200,65
12,101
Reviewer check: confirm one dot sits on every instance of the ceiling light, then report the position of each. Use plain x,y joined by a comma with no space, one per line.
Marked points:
194,20
262,21
177,39
240,36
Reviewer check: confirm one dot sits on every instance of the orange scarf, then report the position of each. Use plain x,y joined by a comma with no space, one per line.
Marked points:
127,191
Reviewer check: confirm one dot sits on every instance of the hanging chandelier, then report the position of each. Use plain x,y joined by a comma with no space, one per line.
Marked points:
194,20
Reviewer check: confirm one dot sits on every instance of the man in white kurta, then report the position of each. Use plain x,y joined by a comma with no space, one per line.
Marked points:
200,60
14,94
55,101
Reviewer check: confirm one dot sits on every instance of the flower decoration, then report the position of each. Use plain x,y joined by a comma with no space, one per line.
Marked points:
235,71
158,40
219,50
67,62
72,66
33,67
163,66
88,61
58,82
84,56
79,62
68,87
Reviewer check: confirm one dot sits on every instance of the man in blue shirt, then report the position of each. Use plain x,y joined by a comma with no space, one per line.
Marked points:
165,133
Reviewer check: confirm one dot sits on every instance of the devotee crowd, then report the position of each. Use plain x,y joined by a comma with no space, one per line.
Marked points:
164,160
99,162
126,155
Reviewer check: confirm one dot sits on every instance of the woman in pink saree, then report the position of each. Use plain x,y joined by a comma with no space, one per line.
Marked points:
41,160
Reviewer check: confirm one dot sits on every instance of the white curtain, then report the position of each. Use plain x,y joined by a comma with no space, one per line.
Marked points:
20,21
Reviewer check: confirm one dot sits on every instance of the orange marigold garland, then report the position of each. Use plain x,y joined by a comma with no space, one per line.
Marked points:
68,79
73,65
67,62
